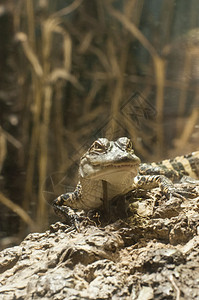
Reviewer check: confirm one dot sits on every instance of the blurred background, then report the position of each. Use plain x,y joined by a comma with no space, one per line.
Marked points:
75,70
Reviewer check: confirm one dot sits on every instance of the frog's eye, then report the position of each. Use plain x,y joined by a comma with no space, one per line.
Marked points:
124,144
97,147
129,146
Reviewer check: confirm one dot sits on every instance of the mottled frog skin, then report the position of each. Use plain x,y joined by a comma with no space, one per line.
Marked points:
111,168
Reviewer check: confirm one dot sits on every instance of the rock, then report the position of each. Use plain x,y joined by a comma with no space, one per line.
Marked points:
146,293
143,257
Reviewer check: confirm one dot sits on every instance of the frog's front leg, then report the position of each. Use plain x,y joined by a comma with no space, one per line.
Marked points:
72,199
67,214
165,184
65,204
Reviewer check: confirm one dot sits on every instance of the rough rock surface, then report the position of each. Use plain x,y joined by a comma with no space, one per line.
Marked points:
152,255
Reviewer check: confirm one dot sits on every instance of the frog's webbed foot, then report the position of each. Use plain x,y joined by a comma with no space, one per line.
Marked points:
182,193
